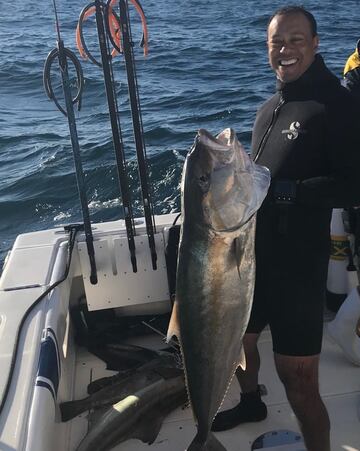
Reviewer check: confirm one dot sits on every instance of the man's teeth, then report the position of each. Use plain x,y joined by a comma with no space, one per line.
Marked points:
288,62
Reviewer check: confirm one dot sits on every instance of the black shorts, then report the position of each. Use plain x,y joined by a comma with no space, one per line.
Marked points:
290,297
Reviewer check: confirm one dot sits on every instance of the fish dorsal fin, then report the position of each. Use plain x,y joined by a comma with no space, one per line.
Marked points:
174,326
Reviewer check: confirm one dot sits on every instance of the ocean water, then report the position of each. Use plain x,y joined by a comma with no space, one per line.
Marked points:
207,68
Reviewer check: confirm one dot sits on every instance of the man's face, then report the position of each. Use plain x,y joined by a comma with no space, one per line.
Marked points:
291,46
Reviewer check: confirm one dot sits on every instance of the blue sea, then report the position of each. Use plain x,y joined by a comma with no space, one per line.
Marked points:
207,68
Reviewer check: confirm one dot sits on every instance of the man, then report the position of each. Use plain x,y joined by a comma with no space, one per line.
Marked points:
306,135
352,72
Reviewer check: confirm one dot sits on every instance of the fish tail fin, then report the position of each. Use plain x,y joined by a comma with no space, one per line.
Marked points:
211,444
71,409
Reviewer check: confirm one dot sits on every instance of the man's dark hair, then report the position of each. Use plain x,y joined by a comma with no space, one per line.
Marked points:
293,9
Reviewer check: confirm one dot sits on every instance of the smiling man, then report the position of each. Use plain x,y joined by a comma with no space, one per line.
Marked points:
292,44
307,135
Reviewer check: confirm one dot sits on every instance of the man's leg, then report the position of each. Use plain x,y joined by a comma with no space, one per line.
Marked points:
300,378
250,408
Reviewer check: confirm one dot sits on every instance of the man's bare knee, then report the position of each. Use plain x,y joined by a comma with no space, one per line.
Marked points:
298,374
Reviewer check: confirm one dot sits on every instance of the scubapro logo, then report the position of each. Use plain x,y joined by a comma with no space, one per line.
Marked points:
293,131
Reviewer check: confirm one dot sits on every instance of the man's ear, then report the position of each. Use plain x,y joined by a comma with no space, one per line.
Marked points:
316,42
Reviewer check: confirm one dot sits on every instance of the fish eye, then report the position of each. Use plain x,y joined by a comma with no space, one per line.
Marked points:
204,182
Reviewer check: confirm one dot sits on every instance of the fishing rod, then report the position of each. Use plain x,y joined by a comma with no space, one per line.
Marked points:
62,54
108,26
127,45
106,59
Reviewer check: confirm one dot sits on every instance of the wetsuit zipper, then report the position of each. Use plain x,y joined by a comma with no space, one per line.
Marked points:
267,133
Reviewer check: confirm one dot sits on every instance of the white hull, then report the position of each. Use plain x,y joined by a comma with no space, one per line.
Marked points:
30,419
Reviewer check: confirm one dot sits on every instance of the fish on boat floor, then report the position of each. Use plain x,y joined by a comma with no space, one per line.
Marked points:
339,386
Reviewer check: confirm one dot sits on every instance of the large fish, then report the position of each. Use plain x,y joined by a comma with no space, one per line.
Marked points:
139,415
164,359
221,190
121,387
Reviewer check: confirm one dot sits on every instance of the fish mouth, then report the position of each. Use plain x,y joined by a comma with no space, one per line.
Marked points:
219,148
226,137
288,62
221,142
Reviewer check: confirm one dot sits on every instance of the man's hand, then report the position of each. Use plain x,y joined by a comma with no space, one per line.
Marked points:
352,80
352,71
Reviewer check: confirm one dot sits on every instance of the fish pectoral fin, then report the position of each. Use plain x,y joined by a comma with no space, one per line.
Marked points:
174,326
242,362
238,254
148,429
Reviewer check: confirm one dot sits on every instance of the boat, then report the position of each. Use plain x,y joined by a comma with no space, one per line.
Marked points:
42,366
48,298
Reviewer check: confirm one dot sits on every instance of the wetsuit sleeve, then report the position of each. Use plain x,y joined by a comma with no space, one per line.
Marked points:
341,187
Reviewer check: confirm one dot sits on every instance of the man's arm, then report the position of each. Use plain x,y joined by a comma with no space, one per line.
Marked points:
341,188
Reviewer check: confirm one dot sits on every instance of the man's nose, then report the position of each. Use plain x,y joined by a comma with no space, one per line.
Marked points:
285,47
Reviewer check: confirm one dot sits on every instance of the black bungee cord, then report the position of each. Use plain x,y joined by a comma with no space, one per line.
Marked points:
61,54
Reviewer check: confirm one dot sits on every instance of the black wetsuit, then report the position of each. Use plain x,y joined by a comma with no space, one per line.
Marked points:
307,132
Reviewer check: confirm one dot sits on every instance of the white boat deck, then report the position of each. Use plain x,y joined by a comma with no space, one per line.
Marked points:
339,384
30,407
